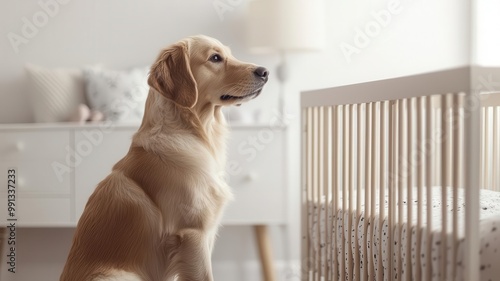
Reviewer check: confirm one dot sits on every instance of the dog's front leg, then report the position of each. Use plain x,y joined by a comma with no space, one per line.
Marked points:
194,256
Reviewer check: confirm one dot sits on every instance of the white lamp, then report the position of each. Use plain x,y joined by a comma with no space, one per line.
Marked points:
285,26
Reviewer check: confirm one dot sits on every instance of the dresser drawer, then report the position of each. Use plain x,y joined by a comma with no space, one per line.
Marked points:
43,144
39,212
256,174
40,159
38,176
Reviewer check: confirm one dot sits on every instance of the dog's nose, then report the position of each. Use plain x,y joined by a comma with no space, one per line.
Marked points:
261,72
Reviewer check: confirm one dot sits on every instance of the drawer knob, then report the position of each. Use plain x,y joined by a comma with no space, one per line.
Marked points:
250,177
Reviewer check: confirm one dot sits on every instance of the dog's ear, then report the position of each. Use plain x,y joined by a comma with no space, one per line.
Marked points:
171,76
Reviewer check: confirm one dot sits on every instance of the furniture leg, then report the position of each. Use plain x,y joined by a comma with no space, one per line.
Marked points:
265,253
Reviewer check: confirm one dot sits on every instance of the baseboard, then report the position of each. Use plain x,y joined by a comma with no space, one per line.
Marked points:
251,271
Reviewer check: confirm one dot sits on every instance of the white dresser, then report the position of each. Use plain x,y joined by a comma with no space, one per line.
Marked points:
59,165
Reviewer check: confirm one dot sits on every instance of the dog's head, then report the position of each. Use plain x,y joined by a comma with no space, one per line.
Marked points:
200,70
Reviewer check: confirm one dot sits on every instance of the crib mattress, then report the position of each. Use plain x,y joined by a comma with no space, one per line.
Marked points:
489,231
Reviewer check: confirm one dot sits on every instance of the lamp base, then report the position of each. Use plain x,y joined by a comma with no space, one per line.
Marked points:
282,73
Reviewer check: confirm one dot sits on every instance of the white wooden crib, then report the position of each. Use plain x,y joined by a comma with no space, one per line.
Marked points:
391,172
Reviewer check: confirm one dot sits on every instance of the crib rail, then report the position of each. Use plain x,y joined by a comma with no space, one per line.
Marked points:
364,155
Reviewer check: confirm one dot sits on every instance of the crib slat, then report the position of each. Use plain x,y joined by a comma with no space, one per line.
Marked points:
318,179
490,144
313,193
321,198
368,188
457,145
496,180
316,195
349,179
487,156
374,183
342,171
483,148
444,182
429,114
344,178
381,182
303,195
330,185
360,158
345,158
348,195
327,190
321,187
318,174
358,175
392,148
308,190
303,191
420,184
399,177
317,189
410,154
401,160
472,175
335,188
363,180
309,177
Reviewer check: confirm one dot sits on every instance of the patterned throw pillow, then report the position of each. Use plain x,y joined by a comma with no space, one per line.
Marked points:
55,93
119,95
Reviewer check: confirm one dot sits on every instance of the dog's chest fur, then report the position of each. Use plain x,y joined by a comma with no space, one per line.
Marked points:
187,176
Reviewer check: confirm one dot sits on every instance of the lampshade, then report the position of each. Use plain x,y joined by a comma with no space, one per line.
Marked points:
285,25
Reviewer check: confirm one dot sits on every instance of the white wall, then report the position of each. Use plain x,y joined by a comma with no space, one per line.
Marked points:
487,25
422,35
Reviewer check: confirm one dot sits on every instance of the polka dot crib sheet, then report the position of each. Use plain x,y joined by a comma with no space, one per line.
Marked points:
346,238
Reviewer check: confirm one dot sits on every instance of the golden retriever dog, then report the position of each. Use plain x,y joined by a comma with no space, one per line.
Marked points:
155,217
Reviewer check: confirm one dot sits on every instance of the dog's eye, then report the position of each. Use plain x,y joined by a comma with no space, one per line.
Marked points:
216,58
